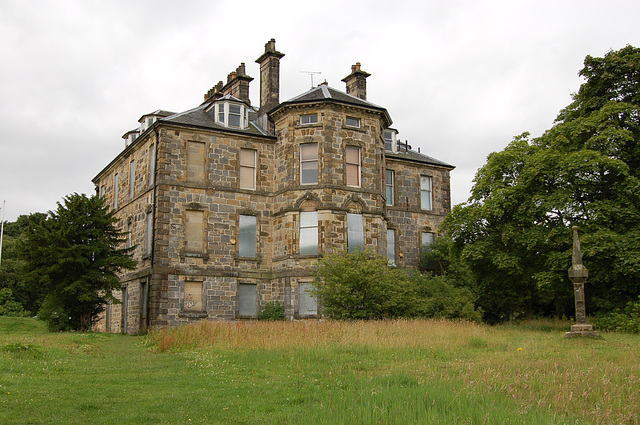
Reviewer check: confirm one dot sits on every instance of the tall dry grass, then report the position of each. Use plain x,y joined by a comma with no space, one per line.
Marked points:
275,335
595,380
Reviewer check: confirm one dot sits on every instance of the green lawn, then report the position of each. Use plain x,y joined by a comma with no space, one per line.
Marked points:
397,372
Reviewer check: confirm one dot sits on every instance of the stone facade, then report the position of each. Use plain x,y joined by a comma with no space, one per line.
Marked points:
229,207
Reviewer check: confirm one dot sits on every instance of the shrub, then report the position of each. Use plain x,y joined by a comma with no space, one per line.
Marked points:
627,320
9,306
272,311
362,285
440,298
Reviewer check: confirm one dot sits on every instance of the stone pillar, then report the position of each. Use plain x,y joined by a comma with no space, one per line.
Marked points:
357,82
578,274
269,77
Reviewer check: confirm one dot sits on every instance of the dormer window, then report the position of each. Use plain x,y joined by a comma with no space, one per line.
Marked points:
232,114
390,143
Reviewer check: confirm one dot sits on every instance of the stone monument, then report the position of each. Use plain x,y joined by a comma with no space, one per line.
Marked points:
578,274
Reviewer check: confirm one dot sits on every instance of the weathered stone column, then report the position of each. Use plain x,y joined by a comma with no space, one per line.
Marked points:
578,274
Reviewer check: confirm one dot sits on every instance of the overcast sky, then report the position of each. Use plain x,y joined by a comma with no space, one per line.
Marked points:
459,78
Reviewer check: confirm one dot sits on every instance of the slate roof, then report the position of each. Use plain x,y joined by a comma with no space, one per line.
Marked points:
324,93
197,117
417,157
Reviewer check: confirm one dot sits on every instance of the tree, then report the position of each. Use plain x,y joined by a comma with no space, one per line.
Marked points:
72,256
513,233
11,272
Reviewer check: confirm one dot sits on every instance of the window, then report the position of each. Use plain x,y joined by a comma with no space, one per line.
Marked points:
149,232
247,236
102,190
309,163
144,298
125,310
308,119
232,114
353,166
353,122
132,177
195,161
389,182
220,107
152,163
355,232
391,246
115,191
308,233
427,238
247,169
425,192
192,296
129,234
390,140
247,297
193,231
307,304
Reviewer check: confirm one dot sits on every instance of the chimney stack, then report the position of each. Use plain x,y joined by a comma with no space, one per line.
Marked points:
357,82
238,84
269,77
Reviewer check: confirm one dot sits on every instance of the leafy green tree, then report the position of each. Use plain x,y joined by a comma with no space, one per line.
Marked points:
72,256
513,233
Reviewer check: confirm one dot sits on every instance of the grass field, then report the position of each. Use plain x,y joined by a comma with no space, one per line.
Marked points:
395,372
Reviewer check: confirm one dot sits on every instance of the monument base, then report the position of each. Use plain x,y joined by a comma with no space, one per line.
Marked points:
582,330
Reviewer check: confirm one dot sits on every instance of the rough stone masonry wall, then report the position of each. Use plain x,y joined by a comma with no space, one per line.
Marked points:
216,195
406,215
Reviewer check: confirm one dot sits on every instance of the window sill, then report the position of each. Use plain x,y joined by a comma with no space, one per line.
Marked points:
313,125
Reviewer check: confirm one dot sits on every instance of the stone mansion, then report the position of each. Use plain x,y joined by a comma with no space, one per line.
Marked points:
229,206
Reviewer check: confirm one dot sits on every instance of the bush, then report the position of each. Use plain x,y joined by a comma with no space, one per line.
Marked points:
272,311
440,298
627,320
362,285
9,306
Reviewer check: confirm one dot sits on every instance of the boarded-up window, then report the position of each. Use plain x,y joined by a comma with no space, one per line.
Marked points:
193,230
247,299
195,161
353,166
307,305
247,169
308,233
355,232
309,163
247,236
193,296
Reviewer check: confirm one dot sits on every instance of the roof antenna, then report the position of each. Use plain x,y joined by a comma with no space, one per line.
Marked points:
311,73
